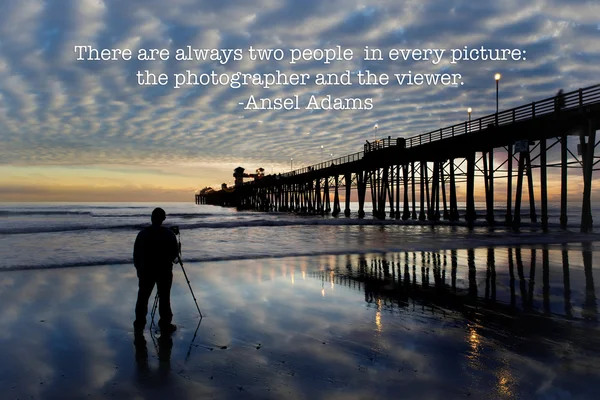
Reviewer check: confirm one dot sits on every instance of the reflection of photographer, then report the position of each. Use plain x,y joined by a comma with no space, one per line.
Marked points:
164,345
154,251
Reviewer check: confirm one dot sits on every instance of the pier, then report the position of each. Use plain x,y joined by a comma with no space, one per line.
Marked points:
417,177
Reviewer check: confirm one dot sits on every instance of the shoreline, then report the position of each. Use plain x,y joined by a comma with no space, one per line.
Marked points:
486,241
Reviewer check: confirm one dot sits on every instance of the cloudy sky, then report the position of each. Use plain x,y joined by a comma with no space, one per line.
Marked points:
85,130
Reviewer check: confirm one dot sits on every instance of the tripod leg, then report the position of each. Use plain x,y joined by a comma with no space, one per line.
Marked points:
190,286
154,306
185,275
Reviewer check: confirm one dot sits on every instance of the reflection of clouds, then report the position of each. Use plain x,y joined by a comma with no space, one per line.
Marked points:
58,328
282,336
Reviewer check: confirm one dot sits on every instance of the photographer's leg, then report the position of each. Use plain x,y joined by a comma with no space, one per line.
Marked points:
146,284
164,283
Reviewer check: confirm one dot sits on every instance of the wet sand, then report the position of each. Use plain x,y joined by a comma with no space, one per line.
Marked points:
480,323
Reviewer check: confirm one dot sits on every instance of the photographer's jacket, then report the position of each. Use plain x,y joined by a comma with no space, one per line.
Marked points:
155,249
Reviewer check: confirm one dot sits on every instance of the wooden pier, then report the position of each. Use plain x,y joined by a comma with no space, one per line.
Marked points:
417,177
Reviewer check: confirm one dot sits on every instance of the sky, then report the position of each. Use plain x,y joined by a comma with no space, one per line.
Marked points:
87,131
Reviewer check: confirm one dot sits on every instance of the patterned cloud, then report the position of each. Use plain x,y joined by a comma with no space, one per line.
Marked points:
57,111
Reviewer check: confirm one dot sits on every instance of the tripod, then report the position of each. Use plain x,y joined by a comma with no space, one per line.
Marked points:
176,231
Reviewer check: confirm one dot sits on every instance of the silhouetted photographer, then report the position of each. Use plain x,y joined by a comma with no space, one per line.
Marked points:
154,252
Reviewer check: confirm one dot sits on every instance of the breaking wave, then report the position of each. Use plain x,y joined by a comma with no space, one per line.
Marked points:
480,241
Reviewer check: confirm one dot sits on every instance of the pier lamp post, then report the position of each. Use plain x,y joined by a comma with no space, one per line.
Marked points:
469,111
321,153
291,164
497,78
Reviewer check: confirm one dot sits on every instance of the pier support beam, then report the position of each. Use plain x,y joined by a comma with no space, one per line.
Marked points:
390,191
414,200
490,205
532,213
327,197
361,185
383,185
423,183
428,199
372,179
319,208
311,201
488,177
509,162
406,211
453,202
517,215
348,182
398,191
544,184
587,151
563,181
471,215
446,215
434,210
336,197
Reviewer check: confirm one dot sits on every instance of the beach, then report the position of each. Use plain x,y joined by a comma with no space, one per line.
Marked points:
360,200
505,321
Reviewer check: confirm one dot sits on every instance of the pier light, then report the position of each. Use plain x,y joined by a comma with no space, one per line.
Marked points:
469,110
321,153
291,164
497,78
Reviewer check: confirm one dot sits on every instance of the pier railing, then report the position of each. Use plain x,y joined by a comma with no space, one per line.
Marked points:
567,101
383,143
326,164
571,100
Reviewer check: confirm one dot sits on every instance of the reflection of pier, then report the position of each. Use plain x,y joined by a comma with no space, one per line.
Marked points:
432,280
417,177
490,293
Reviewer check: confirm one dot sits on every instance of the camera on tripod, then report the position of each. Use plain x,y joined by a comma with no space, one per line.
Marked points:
175,229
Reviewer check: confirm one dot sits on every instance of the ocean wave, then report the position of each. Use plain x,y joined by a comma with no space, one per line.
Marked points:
147,215
59,229
96,214
233,224
42,212
481,241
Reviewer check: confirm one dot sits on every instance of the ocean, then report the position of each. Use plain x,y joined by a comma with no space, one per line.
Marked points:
52,235
298,307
